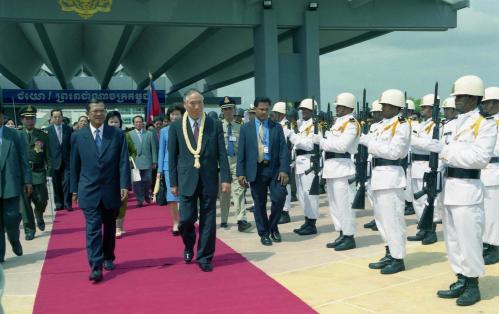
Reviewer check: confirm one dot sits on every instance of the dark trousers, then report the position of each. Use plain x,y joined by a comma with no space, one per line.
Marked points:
10,218
100,234
263,183
207,224
39,197
62,197
142,188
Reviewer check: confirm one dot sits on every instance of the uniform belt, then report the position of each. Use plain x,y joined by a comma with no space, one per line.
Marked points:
386,162
420,157
331,155
37,167
494,160
264,163
463,173
300,152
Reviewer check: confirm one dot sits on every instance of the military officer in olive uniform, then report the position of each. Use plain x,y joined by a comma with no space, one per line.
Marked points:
231,136
38,156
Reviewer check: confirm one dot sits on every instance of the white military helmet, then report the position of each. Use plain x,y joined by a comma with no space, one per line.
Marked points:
393,97
345,100
491,93
428,100
468,85
280,107
376,106
410,104
449,103
251,108
308,103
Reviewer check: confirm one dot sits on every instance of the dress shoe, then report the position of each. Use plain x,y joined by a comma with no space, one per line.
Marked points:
206,267
370,224
375,227
41,225
383,261
17,248
188,254
331,245
70,209
455,289
175,233
224,225
140,204
430,237
490,256
418,237
29,236
294,198
276,236
302,226
108,265
409,209
394,266
347,243
95,275
471,293
284,219
309,228
243,225
265,240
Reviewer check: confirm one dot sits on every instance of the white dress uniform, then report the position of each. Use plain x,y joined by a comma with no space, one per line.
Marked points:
287,203
469,149
390,142
303,150
340,144
409,191
369,192
490,179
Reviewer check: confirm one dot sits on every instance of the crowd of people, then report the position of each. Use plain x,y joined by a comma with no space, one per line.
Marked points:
271,151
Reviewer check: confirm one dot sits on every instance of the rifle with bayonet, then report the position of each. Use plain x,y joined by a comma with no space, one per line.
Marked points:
316,158
405,114
361,163
432,180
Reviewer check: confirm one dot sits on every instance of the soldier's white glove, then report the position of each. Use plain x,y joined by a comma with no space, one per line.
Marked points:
327,134
435,146
365,139
292,138
316,138
287,132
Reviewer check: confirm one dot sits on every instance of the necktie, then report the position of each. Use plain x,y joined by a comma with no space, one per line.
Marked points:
139,134
230,144
260,143
196,133
98,140
59,134
29,136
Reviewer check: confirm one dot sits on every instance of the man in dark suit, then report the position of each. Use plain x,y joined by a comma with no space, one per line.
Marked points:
60,148
196,151
263,162
100,177
15,174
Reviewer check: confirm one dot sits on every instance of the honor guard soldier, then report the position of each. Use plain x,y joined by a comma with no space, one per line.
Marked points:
38,156
490,178
339,146
279,111
231,135
421,136
377,117
239,115
464,156
449,123
389,144
303,143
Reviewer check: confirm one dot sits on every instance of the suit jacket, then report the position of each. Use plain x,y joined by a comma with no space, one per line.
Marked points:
247,155
60,153
146,149
213,155
99,177
163,150
14,168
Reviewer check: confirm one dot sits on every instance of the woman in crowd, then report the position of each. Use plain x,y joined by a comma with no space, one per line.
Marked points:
113,118
10,123
174,114
82,122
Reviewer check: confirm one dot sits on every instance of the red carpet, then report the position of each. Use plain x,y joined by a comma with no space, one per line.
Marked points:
151,276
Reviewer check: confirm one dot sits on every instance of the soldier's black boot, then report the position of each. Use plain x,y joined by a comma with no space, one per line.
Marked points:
383,261
409,209
331,245
430,237
370,224
418,237
471,293
309,228
284,218
490,256
347,243
302,226
455,289
394,266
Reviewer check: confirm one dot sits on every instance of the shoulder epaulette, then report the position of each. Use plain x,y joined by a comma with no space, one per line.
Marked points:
352,119
489,117
402,119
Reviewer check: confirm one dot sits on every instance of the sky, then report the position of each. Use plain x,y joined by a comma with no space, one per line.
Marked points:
410,61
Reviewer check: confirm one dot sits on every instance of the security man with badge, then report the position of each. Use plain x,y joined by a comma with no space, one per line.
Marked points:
232,130
38,156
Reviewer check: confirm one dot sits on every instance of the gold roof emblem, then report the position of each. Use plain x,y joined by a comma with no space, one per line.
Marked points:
226,100
86,8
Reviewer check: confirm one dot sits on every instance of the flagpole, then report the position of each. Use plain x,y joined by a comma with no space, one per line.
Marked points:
14,107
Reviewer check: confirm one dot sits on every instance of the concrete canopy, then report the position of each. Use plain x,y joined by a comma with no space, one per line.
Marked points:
195,41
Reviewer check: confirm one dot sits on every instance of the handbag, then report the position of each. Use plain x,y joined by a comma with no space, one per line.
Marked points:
135,172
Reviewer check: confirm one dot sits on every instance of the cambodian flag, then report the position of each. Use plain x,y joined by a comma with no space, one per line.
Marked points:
153,105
